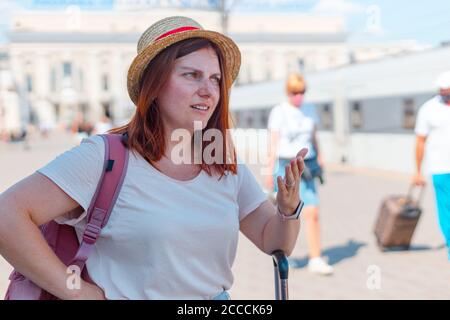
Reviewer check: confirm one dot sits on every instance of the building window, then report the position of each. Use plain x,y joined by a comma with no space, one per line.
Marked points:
29,82
107,109
105,82
57,108
67,69
327,117
356,117
301,65
409,114
246,118
265,118
235,119
53,80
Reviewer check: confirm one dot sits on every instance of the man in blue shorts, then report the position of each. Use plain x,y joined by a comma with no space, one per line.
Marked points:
433,128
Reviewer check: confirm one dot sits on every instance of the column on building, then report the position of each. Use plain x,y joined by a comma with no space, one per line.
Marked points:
81,68
15,109
41,105
341,119
42,82
93,83
279,70
68,95
125,107
17,70
117,83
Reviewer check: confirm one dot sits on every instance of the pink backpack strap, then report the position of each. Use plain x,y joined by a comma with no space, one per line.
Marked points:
108,189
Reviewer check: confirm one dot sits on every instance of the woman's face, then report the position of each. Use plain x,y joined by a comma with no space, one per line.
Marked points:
296,98
192,91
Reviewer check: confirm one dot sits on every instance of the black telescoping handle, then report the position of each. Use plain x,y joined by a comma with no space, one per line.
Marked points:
281,273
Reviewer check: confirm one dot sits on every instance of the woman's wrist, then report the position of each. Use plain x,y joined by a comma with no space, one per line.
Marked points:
290,213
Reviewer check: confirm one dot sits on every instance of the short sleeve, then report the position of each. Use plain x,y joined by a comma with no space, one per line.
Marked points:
250,195
77,172
422,125
274,121
310,111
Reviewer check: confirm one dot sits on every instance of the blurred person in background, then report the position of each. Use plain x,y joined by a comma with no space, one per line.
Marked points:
292,128
103,125
81,128
433,130
45,117
11,122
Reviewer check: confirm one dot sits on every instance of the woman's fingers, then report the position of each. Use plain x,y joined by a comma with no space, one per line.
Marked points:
292,173
300,159
300,165
289,179
302,153
294,169
281,185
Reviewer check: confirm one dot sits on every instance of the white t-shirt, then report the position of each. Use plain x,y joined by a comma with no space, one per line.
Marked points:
433,121
165,239
295,129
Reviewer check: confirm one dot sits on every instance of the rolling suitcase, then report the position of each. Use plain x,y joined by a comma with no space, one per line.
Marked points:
397,220
281,271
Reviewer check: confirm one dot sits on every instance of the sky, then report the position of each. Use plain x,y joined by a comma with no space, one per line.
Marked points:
367,21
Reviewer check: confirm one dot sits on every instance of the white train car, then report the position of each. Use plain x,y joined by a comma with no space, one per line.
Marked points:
367,110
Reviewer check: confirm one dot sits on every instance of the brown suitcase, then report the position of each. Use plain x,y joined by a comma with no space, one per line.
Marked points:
397,220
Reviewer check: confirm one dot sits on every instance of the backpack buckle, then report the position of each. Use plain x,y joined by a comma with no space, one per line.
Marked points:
91,233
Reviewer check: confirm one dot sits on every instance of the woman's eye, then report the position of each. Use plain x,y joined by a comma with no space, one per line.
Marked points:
190,74
216,80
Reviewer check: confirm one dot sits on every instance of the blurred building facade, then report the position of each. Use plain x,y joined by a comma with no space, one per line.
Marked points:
12,106
73,63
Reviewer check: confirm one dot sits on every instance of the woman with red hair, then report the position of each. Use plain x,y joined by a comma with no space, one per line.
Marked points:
174,228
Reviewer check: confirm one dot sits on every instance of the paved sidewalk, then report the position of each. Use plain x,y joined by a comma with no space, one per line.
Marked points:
350,200
349,204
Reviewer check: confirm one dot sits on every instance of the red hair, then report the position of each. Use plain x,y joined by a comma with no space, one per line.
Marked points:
145,130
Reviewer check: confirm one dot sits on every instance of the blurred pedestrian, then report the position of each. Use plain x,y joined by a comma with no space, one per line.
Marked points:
103,125
292,129
433,130
81,128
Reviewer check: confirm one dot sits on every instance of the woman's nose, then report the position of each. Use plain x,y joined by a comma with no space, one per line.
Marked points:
206,87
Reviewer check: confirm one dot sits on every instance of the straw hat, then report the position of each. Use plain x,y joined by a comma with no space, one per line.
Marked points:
168,31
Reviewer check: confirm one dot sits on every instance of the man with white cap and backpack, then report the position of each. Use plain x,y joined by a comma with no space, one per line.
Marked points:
433,128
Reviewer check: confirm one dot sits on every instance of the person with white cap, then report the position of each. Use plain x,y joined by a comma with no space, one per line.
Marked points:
174,230
433,130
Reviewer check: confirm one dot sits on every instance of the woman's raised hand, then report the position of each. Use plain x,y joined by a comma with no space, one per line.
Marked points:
288,188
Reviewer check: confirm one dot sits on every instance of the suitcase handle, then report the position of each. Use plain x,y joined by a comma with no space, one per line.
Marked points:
281,273
409,196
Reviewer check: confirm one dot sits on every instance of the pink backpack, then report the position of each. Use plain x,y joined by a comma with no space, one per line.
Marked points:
63,238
